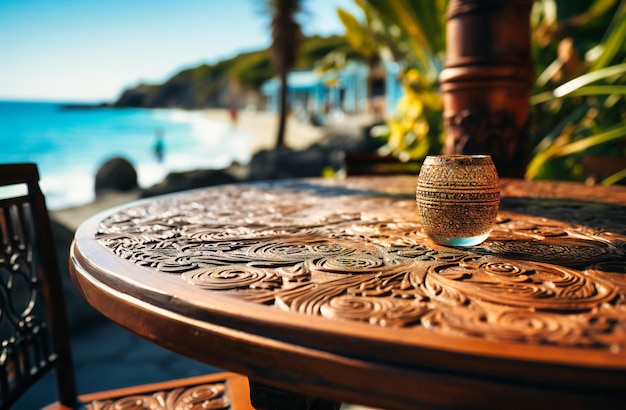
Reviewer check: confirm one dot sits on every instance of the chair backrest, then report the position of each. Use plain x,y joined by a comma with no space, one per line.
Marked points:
33,324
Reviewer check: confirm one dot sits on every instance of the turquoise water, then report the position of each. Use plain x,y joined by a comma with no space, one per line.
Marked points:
69,146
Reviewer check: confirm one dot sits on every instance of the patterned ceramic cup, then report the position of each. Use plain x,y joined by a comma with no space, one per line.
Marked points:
458,198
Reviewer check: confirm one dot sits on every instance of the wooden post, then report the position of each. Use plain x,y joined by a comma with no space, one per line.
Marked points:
486,81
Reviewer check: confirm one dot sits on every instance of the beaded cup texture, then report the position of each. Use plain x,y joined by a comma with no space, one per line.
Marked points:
458,197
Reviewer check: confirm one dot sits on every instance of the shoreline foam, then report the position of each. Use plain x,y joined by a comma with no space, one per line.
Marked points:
262,128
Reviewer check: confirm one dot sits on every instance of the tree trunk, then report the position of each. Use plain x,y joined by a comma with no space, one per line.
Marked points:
284,109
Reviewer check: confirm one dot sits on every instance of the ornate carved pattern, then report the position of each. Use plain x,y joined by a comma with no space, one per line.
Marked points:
212,396
25,346
552,271
496,133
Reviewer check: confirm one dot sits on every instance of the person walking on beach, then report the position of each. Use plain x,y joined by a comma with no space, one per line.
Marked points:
159,146
233,113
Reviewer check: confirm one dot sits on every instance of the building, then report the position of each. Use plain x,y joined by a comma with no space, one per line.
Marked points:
313,94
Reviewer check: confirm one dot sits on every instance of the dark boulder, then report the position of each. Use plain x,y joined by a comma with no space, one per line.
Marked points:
284,163
181,181
116,174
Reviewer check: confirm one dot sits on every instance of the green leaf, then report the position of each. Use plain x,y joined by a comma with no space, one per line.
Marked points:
583,91
614,39
424,25
541,97
589,78
599,90
356,34
615,178
541,159
561,148
579,146
574,116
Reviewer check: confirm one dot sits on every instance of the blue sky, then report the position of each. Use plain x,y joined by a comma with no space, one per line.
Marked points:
90,50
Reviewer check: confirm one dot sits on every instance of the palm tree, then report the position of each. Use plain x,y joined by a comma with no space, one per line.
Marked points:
286,40
370,39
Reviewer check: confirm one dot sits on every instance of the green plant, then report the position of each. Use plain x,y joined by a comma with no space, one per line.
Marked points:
579,102
416,129
411,32
578,99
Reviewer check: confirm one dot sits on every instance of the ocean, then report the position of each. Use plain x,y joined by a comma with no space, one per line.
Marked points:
70,145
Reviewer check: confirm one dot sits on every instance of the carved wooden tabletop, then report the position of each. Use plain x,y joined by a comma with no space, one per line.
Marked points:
331,288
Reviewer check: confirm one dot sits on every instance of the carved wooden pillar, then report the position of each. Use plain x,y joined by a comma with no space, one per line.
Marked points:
486,81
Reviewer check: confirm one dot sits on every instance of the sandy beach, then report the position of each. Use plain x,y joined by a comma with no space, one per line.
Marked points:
263,126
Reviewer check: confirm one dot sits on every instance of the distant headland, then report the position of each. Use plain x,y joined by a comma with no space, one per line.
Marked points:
232,82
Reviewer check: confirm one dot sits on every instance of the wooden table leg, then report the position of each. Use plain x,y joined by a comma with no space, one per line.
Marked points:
264,397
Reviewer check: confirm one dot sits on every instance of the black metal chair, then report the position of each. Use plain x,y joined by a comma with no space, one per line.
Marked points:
33,324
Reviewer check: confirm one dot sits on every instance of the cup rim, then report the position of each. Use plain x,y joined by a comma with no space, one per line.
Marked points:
469,156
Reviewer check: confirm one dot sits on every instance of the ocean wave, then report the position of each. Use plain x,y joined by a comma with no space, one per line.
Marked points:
69,146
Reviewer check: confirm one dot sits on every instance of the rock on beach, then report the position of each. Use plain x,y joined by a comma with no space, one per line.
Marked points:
308,152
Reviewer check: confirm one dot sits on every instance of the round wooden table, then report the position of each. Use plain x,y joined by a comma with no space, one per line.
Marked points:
330,288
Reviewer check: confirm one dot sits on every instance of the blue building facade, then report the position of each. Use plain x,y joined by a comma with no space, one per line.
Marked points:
343,91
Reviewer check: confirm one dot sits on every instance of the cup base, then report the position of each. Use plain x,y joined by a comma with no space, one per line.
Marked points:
456,241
